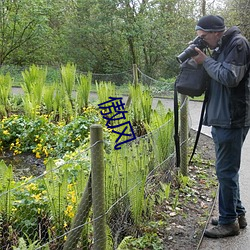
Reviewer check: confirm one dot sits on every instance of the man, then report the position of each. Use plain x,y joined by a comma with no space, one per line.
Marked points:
228,112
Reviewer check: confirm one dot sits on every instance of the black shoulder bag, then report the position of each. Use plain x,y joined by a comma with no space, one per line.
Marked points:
191,81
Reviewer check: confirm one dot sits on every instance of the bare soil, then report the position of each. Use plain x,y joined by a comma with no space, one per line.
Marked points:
187,222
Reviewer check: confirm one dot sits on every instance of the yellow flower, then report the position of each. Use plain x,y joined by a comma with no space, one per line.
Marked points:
38,155
37,196
12,145
6,132
17,152
73,199
45,151
14,209
31,187
71,194
69,211
26,178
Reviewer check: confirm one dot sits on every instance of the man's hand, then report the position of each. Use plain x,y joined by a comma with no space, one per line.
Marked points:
200,58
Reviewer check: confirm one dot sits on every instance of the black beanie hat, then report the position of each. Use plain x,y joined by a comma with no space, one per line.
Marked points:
211,23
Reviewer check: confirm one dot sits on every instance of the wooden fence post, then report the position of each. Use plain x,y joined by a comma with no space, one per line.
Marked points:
135,82
80,218
135,74
184,135
98,195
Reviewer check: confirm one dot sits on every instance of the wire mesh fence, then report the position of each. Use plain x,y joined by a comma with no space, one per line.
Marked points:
42,209
55,209
160,87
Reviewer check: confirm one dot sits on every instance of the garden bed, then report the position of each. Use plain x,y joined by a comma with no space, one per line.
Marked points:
25,164
178,222
150,204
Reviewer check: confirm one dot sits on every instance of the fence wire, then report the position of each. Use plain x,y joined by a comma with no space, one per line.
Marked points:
40,212
158,87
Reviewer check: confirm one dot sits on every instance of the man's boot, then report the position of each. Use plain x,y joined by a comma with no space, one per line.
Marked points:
221,230
241,219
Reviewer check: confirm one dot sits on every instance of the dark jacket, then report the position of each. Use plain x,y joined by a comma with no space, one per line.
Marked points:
228,103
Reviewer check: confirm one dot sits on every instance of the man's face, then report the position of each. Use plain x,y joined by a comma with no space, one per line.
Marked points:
211,38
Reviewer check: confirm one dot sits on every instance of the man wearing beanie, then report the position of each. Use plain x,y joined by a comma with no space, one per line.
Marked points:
228,113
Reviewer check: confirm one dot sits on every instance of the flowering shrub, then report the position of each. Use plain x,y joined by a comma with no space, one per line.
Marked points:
30,204
42,208
45,205
43,137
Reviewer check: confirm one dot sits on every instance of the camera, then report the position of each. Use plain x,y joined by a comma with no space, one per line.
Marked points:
190,51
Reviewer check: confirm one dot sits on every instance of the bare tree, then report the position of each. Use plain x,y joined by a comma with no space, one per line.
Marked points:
20,22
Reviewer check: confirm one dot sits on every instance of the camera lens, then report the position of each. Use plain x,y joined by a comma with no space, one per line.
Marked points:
187,53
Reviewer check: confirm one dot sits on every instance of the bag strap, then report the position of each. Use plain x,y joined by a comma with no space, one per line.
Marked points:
176,126
176,121
199,127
